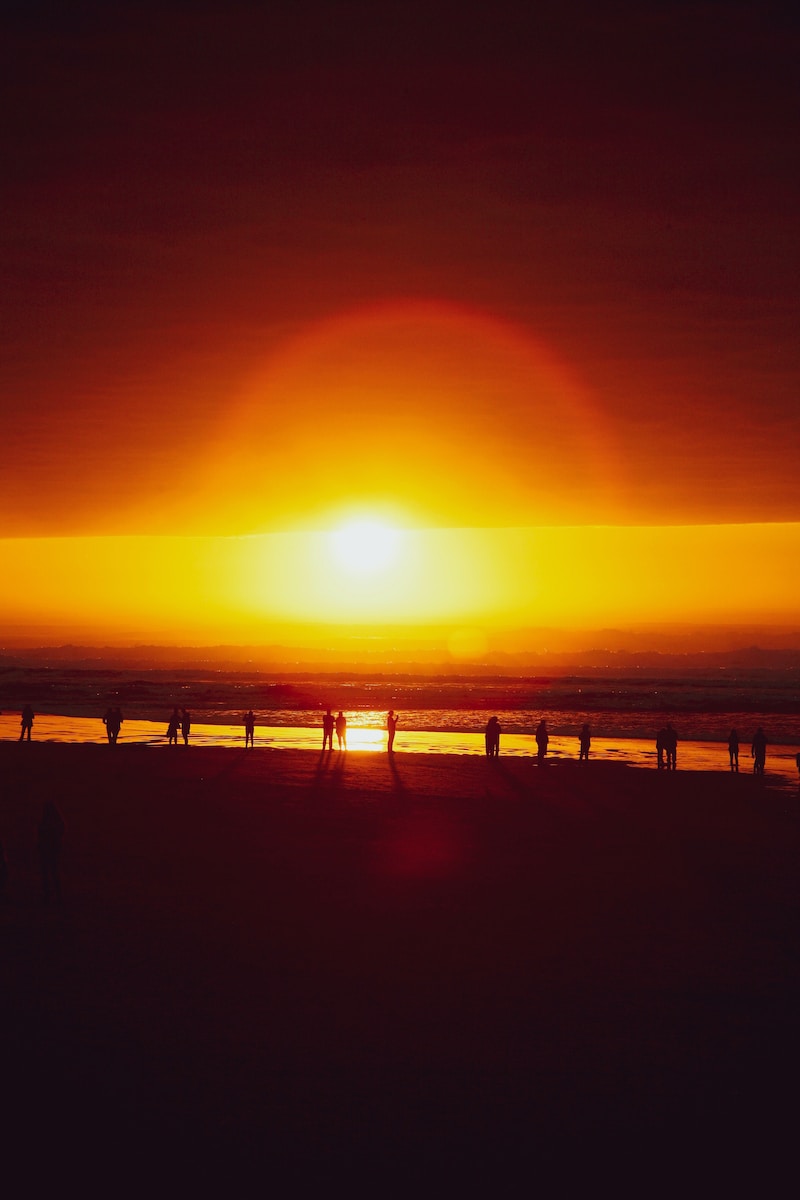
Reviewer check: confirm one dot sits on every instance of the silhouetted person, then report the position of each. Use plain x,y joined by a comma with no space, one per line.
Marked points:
671,748
108,721
174,726
542,741
51,835
492,737
3,876
249,722
113,723
661,747
391,726
327,729
585,741
186,725
758,750
733,750
26,721
341,729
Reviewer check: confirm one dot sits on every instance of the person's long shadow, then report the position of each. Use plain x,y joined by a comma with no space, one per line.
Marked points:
399,791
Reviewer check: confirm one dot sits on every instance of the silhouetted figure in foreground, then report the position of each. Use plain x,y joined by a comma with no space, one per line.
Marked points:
341,729
391,726
758,751
671,748
26,721
542,741
327,729
492,734
186,725
174,726
249,722
733,750
51,835
661,747
113,723
585,741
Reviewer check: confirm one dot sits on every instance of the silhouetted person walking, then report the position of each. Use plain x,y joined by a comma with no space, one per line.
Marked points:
186,725
391,726
26,722
174,726
758,750
585,741
327,729
492,737
51,835
249,722
733,750
671,748
341,729
542,741
113,723
108,721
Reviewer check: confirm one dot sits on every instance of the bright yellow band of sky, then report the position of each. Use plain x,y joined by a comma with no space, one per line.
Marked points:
244,589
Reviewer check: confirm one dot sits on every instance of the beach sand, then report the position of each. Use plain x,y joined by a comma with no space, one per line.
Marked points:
271,969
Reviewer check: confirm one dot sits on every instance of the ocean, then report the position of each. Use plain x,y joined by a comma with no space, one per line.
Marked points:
438,714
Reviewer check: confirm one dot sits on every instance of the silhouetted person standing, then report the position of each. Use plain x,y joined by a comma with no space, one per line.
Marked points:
585,741
174,726
542,741
671,748
249,728
327,729
341,729
492,737
758,750
108,721
186,725
3,876
391,726
113,723
661,747
733,750
51,835
26,721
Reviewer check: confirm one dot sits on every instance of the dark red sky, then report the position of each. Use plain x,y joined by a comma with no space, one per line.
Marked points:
187,186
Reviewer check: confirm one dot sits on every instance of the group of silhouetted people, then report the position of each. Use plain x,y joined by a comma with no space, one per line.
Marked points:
331,723
666,738
179,722
667,748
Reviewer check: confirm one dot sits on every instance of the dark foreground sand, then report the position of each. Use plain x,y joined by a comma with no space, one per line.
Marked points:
272,972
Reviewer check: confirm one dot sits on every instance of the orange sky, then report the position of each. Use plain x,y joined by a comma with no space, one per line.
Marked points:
268,269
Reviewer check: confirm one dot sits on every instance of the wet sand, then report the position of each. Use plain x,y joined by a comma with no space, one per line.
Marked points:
434,971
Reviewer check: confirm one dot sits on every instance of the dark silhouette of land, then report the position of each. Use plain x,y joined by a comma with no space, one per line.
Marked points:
423,970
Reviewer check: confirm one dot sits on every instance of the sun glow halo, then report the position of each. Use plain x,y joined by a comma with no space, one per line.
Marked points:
365,547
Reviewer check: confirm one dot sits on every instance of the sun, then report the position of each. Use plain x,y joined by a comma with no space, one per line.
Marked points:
365,547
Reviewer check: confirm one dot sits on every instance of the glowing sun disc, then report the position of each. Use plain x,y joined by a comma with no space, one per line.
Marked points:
365,547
